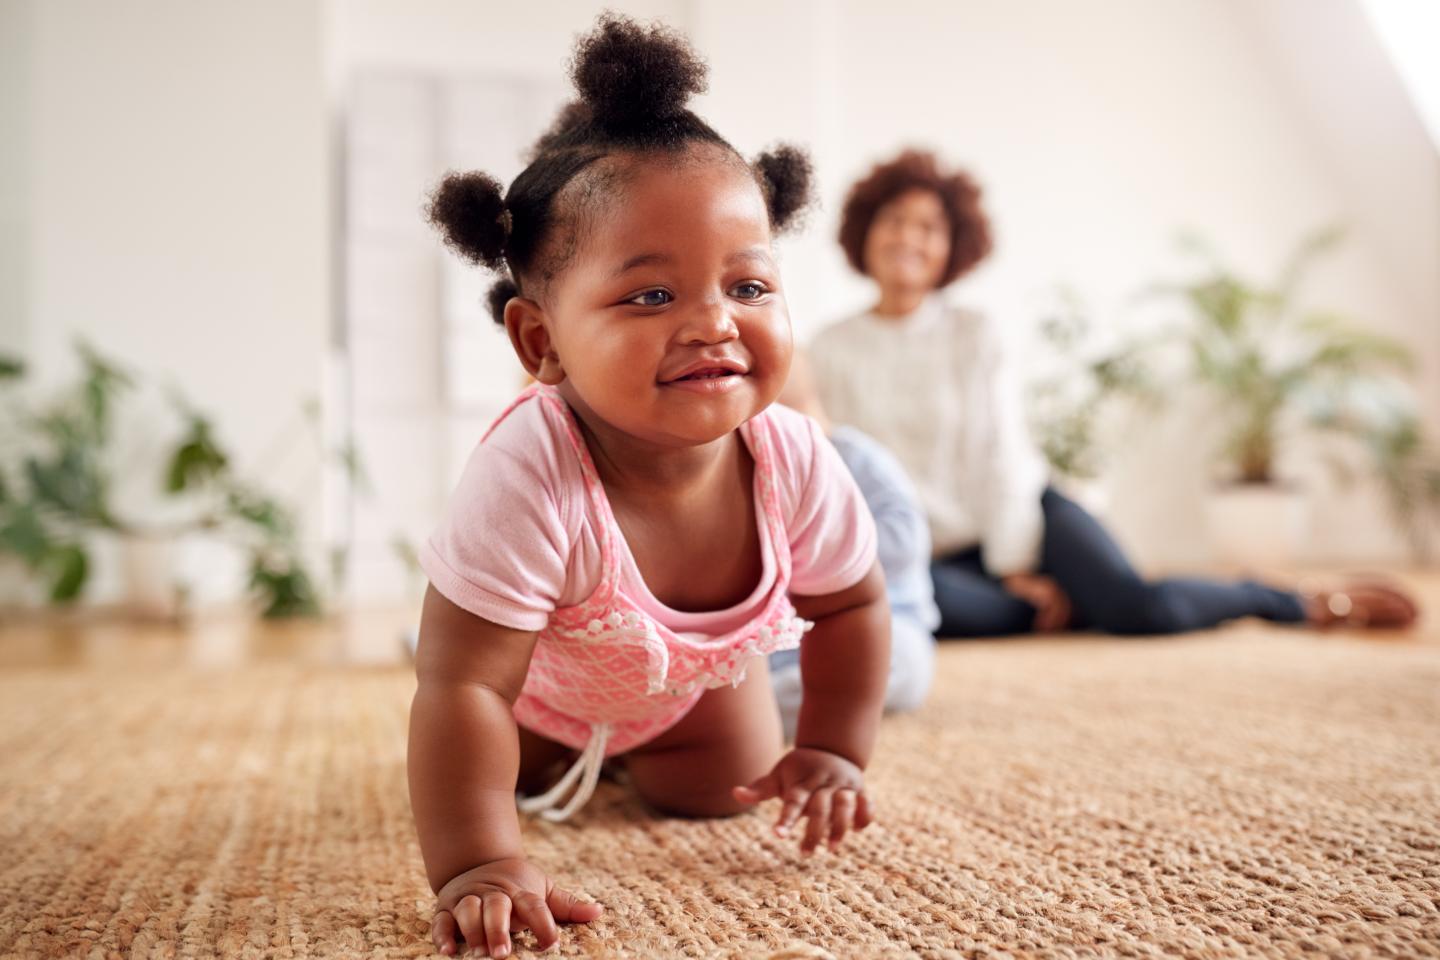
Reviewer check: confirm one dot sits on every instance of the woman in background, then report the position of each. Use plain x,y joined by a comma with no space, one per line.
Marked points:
931,382
902,544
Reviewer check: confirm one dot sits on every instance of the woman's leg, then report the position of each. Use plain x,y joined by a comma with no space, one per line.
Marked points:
912,669
912,664
789,688
1107,594
974,604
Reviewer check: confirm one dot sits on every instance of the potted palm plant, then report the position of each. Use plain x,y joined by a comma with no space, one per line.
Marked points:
1275,371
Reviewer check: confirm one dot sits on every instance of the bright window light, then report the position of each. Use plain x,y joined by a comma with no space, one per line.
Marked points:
1410,32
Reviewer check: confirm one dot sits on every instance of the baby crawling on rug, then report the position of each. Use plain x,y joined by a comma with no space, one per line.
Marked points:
640,528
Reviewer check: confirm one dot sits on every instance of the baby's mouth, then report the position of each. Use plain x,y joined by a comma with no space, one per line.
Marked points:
714,373
712,370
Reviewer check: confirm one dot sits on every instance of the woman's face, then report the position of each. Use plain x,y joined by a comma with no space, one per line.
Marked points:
909,242
670,323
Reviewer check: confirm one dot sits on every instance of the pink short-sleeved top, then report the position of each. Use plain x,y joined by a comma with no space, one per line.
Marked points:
528,542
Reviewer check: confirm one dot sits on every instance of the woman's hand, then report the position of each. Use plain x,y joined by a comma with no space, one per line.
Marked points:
820,785
1052,607
488,902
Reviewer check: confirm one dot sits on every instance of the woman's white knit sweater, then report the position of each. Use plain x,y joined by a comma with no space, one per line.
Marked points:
935,387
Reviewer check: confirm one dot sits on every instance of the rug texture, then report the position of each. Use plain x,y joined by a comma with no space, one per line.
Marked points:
1250,792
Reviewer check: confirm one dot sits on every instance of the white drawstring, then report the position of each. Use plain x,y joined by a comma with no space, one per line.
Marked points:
586,770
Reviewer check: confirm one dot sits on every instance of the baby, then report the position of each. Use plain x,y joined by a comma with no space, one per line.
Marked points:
641,527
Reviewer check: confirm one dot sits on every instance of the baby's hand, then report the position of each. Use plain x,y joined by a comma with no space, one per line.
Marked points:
818,784
479,903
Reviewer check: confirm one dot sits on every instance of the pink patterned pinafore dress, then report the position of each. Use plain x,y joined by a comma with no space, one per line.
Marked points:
605,676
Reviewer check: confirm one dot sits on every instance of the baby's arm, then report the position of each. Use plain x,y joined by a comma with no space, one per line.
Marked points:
464,758
844,665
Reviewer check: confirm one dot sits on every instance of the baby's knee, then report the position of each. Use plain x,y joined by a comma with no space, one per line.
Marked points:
697,806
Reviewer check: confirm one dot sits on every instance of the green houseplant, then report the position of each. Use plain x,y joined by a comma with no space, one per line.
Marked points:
57,471
1275,371
1080,379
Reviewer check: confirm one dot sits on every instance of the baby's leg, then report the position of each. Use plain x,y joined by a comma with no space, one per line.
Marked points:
730,738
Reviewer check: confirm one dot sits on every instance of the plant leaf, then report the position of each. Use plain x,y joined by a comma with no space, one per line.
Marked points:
71,568
23,534
196,460
284,587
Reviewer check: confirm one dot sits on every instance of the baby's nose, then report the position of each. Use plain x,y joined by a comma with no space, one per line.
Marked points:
709,322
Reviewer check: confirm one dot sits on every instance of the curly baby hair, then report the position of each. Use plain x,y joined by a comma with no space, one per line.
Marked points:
634,82
970,239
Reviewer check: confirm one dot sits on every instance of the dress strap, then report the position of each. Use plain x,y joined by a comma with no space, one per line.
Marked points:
585,770
762,434
520,398
595,490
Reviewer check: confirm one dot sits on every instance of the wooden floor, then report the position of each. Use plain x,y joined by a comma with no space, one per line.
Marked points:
363,637
103,641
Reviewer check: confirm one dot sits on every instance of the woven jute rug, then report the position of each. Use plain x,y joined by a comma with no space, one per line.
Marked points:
1250,792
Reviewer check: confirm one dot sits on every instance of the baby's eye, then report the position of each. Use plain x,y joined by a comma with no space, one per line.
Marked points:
749,290
651,298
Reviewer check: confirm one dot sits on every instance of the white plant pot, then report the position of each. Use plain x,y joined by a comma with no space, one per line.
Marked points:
154,586
1264,525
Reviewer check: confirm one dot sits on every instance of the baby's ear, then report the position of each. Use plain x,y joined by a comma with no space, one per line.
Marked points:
529,331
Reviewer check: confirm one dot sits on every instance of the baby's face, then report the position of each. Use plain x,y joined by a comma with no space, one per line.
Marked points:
670,322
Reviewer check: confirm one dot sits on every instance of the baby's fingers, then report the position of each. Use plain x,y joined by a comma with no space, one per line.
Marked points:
818,824
532,911
795,800
442,933
763,789
842,814
864,816
568,908
497,924
468,915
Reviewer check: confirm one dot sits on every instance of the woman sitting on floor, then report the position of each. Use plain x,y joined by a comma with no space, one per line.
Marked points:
931,383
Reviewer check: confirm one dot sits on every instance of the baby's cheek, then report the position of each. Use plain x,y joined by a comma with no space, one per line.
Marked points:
772,355
628,362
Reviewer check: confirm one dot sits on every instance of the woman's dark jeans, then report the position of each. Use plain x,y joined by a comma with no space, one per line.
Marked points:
1105,592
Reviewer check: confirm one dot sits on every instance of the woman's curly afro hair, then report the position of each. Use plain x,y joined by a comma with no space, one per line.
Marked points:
918,170
633,83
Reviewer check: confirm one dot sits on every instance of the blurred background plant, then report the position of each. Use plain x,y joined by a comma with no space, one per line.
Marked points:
1276,372
1082,379
58,464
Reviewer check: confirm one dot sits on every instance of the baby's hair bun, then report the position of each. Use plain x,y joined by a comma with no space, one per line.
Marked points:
499,295
628,74
785,175
469,209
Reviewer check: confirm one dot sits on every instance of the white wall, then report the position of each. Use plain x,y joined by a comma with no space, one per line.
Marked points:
178,207
459,36
1368,134
170,198
14,171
